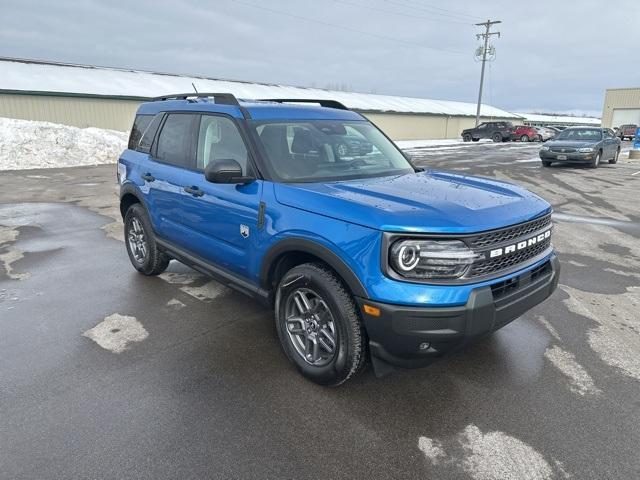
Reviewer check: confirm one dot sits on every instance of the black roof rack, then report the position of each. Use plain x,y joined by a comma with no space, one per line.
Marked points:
219,98
322,103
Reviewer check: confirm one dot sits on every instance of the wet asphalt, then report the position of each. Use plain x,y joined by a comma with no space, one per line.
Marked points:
208,393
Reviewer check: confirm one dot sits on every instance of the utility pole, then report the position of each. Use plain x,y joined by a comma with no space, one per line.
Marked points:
487,25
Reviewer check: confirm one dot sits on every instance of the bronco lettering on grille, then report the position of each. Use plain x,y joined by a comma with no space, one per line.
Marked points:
498,252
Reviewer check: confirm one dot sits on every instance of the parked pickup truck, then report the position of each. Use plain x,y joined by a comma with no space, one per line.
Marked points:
363,256
627,131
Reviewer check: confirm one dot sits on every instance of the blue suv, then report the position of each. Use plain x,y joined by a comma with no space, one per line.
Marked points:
314,211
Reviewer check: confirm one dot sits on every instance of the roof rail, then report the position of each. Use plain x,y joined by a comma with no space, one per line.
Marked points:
322,103
219,98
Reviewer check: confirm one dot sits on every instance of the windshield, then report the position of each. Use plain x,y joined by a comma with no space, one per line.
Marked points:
326,150
581,134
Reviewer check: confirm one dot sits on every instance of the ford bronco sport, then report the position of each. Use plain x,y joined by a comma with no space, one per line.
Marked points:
361,255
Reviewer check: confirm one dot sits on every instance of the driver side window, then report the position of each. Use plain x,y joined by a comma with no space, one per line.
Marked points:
219,139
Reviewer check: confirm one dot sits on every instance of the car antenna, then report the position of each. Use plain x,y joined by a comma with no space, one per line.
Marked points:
194,87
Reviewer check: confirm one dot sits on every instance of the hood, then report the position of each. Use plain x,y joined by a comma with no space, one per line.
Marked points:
570,143
425,202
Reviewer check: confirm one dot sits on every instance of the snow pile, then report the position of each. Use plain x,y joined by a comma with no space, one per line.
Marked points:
26,144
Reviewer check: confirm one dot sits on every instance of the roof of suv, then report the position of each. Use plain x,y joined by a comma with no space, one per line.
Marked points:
258,110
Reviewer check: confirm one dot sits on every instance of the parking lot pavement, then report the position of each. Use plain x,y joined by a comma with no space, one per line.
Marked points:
108,374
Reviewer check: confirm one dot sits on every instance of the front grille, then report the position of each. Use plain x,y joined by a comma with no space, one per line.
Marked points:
562,150
487,267
505,235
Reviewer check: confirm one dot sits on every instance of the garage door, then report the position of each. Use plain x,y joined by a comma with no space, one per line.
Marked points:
622,116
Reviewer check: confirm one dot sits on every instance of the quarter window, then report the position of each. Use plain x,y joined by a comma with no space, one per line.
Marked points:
149,134
219,139
174,143
140,124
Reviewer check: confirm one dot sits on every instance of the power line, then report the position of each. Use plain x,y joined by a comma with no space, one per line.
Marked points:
410,15
462,14
343,27
429,9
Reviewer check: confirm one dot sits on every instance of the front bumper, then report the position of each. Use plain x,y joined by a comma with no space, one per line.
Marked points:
569,157
412,337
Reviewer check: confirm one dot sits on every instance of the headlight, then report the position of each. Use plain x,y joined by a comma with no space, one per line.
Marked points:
426,259
544,149
585,150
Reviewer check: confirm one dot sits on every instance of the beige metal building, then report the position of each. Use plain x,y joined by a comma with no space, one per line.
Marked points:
89,96
621,106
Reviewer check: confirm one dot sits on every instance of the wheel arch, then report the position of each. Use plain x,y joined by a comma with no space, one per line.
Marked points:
129,195
290,252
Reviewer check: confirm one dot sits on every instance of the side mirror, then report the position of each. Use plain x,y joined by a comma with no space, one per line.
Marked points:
225,171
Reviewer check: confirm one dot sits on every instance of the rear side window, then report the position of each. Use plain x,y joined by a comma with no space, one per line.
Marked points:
148,134
140,124
174,142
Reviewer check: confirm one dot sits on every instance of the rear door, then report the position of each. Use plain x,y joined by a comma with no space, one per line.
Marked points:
170,154
609,144
221,219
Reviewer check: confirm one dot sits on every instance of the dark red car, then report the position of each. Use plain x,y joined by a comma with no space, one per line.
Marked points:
525,133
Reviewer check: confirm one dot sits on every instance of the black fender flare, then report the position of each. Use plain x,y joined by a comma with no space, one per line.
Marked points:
131,189
314,248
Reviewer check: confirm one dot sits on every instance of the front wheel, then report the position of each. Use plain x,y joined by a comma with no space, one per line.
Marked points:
524,138
466,137
496,137
596,160
141,244
546,164
318,325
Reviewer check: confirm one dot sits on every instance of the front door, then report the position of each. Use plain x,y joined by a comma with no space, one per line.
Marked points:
222,219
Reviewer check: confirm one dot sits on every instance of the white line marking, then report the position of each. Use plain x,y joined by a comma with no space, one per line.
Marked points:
634,174
116,332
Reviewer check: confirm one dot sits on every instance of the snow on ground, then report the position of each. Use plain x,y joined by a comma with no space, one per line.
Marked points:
408,144
26,144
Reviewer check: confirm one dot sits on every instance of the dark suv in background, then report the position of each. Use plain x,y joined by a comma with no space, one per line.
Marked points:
496,131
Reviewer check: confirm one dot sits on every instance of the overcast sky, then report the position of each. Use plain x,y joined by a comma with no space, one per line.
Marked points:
552,56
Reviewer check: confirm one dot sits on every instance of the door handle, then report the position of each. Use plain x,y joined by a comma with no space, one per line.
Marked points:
148,177
195,191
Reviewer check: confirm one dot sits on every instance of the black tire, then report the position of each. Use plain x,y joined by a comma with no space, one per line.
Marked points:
596,160
153,261
546,164
476,139
350,350
466,137
615,156
524,138
496,137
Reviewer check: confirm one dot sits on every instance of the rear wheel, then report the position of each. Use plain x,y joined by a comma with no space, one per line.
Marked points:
318,325
144,254
596,160
496,137
615,156
466,137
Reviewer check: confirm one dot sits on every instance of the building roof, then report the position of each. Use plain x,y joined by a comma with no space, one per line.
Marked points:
19,75
559,119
